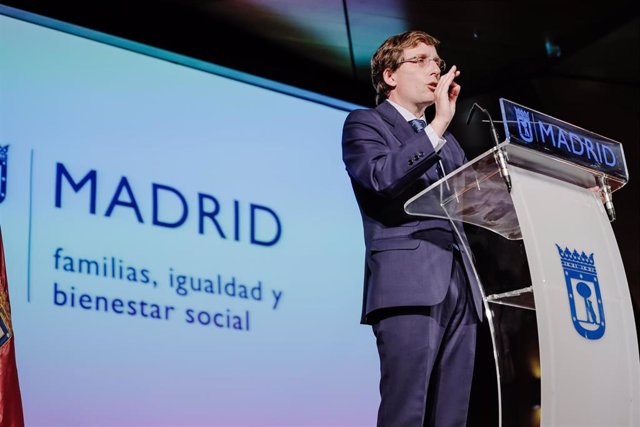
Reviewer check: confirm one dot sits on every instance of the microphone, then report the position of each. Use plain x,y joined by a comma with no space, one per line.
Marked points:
500,155
607,197
471,111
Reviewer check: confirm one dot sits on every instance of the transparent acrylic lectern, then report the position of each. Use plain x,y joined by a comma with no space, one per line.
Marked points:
576,293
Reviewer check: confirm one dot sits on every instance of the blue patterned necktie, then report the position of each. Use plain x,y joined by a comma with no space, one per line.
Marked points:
418,125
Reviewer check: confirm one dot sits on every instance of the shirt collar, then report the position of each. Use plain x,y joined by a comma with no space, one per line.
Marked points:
404,112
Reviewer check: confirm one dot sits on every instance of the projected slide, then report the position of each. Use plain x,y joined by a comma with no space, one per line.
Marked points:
183,249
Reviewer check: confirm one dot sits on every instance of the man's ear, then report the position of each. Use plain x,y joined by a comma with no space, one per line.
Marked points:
389,77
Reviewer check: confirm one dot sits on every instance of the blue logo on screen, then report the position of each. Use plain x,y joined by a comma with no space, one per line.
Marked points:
3,172
583,289
524,124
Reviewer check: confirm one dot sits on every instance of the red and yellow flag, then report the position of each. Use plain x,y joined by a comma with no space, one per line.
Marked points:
10,400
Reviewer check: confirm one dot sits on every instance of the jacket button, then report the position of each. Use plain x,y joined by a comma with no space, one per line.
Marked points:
416,157
410,162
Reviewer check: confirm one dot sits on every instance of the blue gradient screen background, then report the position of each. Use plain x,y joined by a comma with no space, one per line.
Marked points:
161,142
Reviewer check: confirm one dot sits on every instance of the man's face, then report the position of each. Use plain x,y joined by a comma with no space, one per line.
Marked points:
414,83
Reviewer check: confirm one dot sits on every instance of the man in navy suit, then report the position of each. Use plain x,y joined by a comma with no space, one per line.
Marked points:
422,302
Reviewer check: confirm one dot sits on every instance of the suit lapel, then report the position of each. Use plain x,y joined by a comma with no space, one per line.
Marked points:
400,128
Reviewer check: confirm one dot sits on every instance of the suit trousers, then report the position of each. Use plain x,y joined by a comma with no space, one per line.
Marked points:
427,357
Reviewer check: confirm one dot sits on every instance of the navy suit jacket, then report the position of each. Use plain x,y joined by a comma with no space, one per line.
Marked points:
388,163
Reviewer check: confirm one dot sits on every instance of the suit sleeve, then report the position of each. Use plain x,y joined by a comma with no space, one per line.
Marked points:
379,162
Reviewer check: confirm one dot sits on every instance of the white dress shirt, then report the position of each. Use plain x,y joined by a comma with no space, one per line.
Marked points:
436,141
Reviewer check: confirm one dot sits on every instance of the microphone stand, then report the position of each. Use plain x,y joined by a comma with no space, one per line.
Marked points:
500,155
607,198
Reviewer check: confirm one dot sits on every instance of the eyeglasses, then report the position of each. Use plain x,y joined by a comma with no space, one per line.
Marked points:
425,61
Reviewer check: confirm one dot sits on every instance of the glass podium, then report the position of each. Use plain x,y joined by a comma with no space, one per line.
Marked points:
554,290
